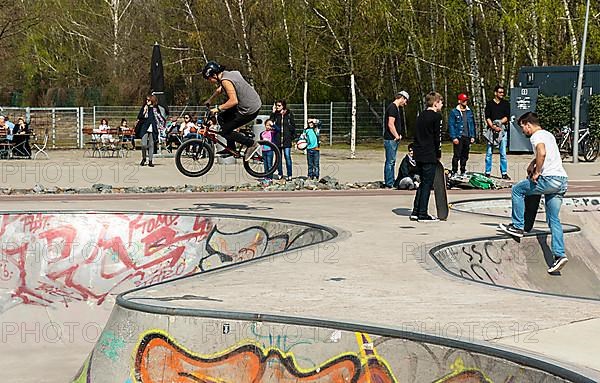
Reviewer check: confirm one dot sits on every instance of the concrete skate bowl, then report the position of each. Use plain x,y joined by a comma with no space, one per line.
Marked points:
522,264
60,272
147,343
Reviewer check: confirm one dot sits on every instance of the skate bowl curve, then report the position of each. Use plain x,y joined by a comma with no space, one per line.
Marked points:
522,265
164,337
166,344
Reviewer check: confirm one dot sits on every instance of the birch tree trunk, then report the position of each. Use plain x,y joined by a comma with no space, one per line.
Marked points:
246,45
188,10
571,33
117,10
475,77
234,30
287,38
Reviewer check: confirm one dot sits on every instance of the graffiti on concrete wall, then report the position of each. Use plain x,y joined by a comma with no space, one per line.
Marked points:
48,258
223,248
158,358
61,258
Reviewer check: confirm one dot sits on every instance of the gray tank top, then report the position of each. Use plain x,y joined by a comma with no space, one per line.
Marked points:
248,100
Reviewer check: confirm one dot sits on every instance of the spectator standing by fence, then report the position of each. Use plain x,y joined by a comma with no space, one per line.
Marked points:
284,119
312,148
394,123
497,113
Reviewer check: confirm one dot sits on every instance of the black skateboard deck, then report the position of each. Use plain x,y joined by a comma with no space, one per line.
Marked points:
440,192
532,203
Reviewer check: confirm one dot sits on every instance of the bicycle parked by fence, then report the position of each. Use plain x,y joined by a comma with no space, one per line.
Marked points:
589,146
196,156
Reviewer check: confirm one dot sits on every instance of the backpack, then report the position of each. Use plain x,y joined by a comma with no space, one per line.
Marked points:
479,181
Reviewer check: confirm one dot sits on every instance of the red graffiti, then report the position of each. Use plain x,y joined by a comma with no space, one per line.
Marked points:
88,260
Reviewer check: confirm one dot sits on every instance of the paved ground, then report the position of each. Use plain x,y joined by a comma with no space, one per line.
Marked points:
375,272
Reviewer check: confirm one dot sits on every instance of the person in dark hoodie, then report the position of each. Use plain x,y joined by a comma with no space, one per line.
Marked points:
408,179
427,153
286,127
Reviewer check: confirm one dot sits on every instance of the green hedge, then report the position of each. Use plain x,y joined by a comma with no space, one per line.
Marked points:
554,112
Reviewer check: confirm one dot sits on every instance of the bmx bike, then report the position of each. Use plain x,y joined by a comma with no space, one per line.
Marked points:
196,156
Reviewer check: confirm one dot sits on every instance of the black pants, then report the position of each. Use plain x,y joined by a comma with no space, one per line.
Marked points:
461,153
231,119
427,173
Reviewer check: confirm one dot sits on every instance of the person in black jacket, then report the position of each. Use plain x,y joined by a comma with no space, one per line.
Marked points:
427,153
408,179
284,119
150,121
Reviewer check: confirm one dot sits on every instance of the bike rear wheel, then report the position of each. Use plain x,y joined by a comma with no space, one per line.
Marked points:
590,149
257,165
194,157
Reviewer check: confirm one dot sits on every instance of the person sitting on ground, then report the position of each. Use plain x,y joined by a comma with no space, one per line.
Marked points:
242,106
408,178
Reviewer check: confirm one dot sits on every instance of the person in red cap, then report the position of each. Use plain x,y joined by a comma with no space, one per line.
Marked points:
461,126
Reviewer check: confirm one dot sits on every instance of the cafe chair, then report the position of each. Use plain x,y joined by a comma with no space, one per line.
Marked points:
42,149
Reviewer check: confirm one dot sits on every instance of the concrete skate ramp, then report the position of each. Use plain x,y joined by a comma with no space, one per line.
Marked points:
522,265
150,344
58,258
61,271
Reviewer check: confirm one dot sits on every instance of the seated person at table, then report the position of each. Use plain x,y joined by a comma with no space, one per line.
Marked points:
103,133
188,128
128,134
173,134
21,134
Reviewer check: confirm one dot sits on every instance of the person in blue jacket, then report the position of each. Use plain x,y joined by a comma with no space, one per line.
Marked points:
461,126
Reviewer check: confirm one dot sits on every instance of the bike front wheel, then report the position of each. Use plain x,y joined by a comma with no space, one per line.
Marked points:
264,161
194,158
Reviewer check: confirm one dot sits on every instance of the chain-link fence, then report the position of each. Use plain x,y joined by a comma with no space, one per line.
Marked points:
64,126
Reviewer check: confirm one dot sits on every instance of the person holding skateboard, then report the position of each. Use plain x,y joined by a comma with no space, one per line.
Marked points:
547,177
427,152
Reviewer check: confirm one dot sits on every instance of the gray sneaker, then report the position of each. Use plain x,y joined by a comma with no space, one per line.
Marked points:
250,151
559,263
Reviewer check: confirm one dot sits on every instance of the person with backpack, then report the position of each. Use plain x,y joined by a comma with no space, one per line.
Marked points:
312,148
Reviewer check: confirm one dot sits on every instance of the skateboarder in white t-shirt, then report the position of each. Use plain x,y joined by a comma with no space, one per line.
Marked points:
547,177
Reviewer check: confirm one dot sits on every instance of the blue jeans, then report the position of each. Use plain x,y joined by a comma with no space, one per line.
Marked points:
268,161
553,188
287,154
391,148
312,157
503,161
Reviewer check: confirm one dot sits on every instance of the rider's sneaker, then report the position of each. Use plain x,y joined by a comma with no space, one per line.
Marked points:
511,230
250,151
559,263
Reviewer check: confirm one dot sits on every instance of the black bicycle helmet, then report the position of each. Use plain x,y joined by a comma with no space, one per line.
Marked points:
211,68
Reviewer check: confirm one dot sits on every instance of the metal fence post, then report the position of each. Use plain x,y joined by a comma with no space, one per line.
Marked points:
80,128
53,128
331,123
94,117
